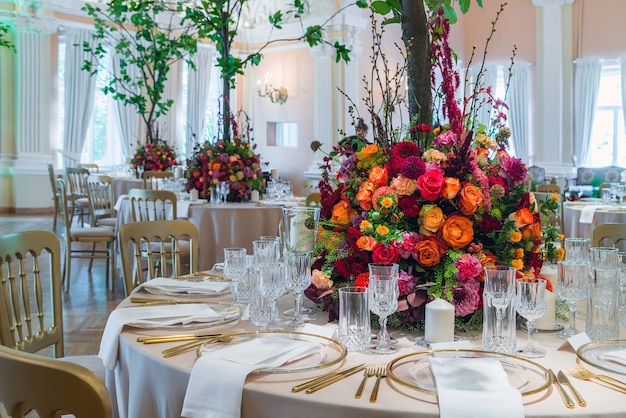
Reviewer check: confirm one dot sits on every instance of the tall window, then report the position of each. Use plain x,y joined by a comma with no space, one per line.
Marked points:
608,138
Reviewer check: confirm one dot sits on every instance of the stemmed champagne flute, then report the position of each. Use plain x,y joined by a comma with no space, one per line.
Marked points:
572,287
531,304
383,300
298,278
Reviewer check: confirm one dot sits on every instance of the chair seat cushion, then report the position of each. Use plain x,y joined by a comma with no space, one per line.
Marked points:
155,247
82,202
91,362
97,232
107,222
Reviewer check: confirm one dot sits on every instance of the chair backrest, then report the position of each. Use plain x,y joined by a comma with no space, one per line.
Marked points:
612,231
147,177
538,174
314,199
53,179
31,316
548,188
157,242
64,207
152,205
91,167
50,387
76,179
590,175
101,192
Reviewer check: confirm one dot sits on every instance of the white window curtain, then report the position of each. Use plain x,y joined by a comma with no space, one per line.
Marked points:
79,95
167,124
125,115
519,109
622,62
488,78
199,82
586,87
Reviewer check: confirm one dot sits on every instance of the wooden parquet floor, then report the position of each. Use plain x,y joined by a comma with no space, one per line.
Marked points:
89,303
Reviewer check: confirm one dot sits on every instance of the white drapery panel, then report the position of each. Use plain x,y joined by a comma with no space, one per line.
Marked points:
622,62
80,86
198,82
586,87
518,101
488,78
126,115
167,124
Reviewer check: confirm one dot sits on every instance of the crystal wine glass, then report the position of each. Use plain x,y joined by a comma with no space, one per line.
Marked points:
383,300
577,249
234,269
572,287
298,278
531,304
272,277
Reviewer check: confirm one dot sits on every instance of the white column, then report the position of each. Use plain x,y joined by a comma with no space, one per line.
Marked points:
548,149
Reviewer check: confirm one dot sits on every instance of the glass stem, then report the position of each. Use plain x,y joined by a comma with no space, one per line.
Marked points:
531,327
572,315
383,343
297,318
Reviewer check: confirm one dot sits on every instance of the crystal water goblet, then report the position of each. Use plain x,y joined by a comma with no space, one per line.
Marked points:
383,300
577,248
234,269
260,309
272,277
264,251
298,278
531,304
572,287
499,290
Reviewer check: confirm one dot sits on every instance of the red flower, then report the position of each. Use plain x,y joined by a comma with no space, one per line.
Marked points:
362,279
409,206
404,149
385,254
430,184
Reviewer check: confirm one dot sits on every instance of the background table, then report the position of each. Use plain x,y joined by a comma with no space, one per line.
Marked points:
574,228
231,225
147,385
122,185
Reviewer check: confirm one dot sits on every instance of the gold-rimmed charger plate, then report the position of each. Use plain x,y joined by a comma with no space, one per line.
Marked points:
331,351
413,370
592,352
228,314
195,279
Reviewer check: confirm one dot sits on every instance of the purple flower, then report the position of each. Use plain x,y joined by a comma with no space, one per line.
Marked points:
466,297
224,157
247,171
513,169
406,283
413,167
469,267
445,139
408,243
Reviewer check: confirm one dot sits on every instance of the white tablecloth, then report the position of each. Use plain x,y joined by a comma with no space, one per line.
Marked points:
147,385
574,228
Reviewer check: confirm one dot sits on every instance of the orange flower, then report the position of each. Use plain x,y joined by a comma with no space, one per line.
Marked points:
367,152
522,217
365,243
216,166
431,219
378,176
365,225
379,193
457,231
343,213
519,252
517,263
364,195
321,280
560,254
451,188
427,253
382,230
516,237
404,186
532,231
470,199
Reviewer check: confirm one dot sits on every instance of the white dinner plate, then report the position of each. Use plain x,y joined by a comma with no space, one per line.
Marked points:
228,313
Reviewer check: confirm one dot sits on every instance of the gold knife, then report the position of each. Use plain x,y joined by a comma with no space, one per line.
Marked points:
566,398
323,378
565,381
334,379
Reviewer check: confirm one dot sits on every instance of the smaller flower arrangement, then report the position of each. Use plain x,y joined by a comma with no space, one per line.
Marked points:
154,156
233,161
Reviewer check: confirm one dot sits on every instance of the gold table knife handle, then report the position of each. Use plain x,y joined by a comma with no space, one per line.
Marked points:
323,378
333,380
566,398
581,401
359,391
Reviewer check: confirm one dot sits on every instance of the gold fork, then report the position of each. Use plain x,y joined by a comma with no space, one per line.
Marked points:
173,351
580,372
370,371
381,371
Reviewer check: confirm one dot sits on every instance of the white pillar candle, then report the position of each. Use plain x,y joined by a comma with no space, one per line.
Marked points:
550,272
439,322
274,173
178,172
254,195
193,194
548,319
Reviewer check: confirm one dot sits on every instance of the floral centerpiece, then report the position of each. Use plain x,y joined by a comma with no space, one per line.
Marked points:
443,207
232,161
157,155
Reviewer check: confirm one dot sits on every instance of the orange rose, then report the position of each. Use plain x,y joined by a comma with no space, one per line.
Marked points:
522,217
457,231
427,253
364,195
451,188
367,152
378,176
431,219
404,186
365,243
470,199
532,231
343,213
321,280
216,166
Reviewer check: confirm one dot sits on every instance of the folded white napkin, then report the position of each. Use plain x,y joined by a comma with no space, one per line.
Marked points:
475,388
163,284
160,315
586,214
118,203
216,383
618,356
182,207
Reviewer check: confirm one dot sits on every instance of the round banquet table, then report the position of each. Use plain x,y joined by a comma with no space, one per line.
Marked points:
147,385
231,225
572,212
122,185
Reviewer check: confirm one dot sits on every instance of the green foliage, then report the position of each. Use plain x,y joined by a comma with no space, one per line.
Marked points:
5,43
146,36
384,7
